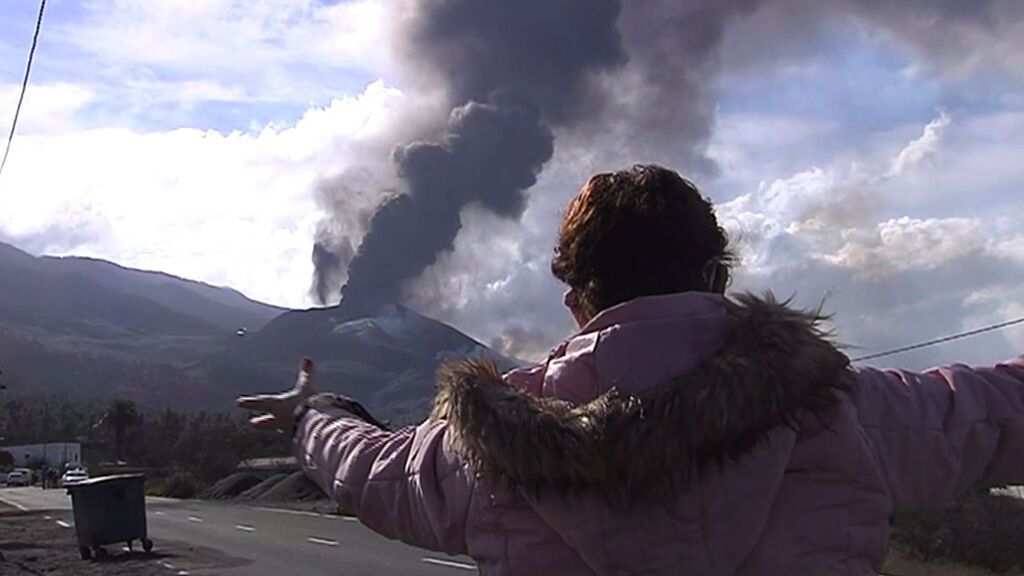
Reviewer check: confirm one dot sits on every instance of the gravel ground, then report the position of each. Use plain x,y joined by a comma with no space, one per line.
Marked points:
233,485
295,488
258,490
33,545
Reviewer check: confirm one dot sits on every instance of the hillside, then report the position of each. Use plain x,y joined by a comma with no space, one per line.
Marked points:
88,328
91,306
223,307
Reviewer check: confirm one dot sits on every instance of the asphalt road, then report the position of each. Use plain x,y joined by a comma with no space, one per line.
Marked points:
240,540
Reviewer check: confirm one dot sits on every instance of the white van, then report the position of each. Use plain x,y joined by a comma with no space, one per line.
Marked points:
20,477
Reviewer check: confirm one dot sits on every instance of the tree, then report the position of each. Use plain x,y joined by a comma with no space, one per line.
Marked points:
69,420
121,416
164,430
6,460
18,421
46,424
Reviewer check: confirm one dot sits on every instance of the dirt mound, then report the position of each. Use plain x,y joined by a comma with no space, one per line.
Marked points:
296,487
233,485
258,490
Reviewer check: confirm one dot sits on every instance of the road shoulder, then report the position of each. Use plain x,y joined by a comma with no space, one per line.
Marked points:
43,542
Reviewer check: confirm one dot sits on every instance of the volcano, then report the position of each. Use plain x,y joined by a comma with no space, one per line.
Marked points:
387,360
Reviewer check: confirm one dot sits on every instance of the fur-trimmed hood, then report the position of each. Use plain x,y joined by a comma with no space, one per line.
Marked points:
776,368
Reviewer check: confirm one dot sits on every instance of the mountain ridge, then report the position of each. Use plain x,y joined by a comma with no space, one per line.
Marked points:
100,329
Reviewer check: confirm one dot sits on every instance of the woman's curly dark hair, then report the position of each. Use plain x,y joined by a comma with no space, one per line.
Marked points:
643,231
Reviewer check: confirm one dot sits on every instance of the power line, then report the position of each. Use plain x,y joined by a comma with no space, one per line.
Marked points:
942,340
24,84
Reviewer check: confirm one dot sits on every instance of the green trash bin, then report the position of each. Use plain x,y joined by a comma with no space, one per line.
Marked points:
110,510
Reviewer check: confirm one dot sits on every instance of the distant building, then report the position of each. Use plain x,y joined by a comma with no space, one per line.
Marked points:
54,454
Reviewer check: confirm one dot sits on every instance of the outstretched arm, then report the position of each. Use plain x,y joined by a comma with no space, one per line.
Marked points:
405,485
945,431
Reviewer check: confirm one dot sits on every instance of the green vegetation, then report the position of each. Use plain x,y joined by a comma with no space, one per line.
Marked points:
205,445
120,417
178,485
982,530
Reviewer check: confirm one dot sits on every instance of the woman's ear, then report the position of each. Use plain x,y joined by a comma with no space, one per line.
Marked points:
568,298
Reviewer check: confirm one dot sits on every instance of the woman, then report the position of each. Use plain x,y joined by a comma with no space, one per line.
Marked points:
678,431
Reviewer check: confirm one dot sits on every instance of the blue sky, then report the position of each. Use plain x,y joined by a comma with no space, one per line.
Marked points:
79,46
192,138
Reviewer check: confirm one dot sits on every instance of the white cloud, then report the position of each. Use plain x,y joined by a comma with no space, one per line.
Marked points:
829,207
1012,248
891,275
235,209
185,93
48,108
907,244
276,46
922,148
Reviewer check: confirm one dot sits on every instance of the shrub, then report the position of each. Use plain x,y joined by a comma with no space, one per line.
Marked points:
981,529
180,485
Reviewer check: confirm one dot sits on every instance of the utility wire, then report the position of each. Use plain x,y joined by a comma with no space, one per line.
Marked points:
942,340
24,84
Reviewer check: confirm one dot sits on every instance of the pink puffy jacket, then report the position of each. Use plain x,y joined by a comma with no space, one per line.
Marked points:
682,434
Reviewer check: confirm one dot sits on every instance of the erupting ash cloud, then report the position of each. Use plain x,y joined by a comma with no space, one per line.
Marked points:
490,153
513,74
509,70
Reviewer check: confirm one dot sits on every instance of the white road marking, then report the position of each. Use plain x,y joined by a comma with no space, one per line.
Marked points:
194,519
286,511
160,513
47,517
63,524
449,563
321,541
167,565
244,528
304,513
183,573
15,504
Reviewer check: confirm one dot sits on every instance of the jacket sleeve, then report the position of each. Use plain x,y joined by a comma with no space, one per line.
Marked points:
529,379
945,431
405,485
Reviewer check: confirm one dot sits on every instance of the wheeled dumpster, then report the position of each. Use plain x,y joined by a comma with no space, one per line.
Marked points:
110,510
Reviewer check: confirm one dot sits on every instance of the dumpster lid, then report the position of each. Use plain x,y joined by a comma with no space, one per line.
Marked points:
108,479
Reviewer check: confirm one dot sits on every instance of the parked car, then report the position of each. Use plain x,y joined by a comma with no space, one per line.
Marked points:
20,477
73,476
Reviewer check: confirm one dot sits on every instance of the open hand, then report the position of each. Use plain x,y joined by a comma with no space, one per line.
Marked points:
279,409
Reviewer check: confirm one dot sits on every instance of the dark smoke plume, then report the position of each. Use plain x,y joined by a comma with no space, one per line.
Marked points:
673,49
490,153
509,70
545,50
